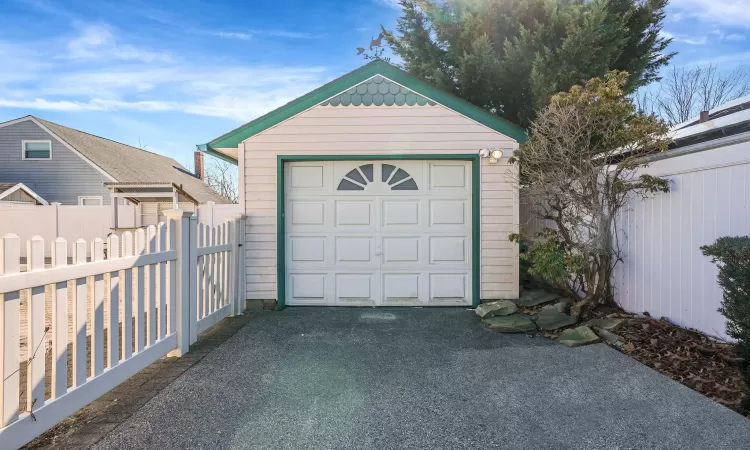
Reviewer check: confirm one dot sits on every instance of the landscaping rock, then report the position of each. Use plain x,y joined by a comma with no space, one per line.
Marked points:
610,337
576,337
515,323
551,319
608,324
498,308
560,307
537,297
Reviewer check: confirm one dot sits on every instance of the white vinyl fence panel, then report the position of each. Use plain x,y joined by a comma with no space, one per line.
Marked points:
100,320
73,222
664,272
70,222
213,214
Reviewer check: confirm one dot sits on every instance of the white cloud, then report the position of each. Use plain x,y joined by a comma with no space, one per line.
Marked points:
728,60
389,3
725,12
94,71
247,35
691,40
735,37
234,35
288,34
99,43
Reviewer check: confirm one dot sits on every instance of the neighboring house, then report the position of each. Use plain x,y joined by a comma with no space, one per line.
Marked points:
19,193
73,167
377,189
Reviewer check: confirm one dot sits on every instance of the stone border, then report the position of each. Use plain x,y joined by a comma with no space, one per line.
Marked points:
91,423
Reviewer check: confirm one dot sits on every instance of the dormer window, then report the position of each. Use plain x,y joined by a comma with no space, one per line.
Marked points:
36,150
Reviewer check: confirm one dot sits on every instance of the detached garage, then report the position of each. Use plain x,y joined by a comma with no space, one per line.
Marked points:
377,190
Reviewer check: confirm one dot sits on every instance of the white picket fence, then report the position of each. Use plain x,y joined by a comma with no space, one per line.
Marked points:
151,295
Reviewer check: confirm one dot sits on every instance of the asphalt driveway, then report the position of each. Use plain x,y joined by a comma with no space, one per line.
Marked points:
419,378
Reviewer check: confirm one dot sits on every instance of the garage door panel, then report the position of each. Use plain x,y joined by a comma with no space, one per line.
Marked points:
307,176
354,249
402,249
448,249
400,213
354,213
308,286
449,287
308,213
448,176
448,213
355,287
312,178
401,287
307,249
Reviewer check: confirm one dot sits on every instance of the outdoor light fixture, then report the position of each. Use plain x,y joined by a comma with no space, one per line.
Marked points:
493,154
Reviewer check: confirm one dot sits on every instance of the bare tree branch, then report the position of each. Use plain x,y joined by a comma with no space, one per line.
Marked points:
686,91
221,176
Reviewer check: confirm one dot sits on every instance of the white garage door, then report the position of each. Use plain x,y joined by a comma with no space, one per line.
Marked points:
378,233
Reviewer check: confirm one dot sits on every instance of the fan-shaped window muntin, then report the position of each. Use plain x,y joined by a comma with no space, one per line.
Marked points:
357,178
396,178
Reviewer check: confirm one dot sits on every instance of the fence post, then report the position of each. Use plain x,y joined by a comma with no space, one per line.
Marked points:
57,218
184,285
231,263
193,278
241,263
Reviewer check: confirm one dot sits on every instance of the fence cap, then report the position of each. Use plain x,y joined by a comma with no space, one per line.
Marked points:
177,213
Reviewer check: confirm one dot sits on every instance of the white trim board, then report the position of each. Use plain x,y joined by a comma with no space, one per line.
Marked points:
27,190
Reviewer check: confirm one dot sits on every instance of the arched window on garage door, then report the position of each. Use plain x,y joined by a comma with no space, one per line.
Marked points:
398,179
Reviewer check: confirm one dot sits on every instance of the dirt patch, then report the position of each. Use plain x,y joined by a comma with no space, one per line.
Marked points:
687,356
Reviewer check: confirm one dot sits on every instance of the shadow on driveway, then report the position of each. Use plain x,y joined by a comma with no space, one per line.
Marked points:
419,378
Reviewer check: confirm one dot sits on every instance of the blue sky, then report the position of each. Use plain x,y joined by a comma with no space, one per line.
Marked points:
168,75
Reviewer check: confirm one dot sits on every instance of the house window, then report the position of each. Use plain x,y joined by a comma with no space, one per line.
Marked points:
90,201
36,149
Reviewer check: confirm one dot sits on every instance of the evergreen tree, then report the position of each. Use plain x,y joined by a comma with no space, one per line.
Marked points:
511,56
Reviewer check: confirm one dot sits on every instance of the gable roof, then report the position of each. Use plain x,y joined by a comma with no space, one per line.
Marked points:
8,188
233,138
127,164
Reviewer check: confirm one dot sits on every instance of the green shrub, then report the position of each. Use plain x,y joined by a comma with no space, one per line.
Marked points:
548,258
732,255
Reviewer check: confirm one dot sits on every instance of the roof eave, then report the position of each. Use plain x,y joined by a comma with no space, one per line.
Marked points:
207,149
328,90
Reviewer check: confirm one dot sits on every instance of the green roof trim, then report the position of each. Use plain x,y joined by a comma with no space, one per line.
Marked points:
233,138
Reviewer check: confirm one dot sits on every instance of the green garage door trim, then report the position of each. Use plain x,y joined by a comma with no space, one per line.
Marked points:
280,213
233,138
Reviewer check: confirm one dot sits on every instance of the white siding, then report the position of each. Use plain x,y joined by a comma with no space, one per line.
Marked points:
664,271
326,130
